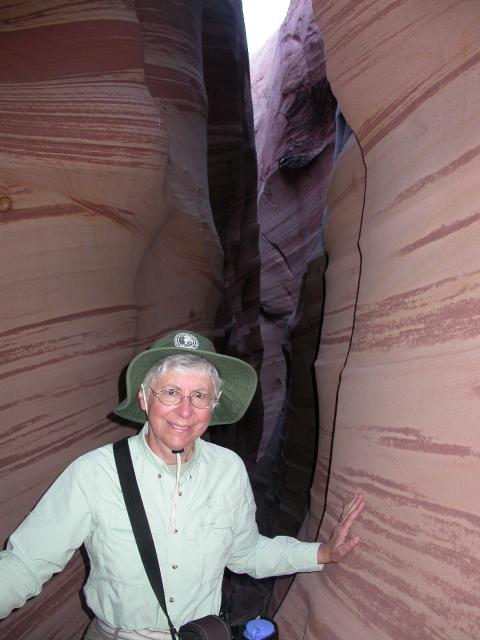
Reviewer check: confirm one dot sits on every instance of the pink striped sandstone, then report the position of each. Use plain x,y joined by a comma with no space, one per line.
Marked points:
405,74
110,240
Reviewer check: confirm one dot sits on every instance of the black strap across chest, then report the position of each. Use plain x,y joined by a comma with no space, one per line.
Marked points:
139,522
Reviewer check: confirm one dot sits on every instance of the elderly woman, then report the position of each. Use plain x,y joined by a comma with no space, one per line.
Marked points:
196,495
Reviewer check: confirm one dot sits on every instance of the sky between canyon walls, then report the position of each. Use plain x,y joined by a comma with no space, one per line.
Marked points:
262,19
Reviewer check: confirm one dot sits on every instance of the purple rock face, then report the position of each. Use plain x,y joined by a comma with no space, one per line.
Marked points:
295,138
295,133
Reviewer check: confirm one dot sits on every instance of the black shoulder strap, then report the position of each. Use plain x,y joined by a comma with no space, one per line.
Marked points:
139,521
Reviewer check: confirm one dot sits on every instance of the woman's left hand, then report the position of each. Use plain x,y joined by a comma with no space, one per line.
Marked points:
340,543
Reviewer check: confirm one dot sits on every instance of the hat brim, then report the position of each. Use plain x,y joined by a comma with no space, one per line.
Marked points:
239,384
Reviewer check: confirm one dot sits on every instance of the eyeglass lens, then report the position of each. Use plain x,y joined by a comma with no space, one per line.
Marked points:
170,397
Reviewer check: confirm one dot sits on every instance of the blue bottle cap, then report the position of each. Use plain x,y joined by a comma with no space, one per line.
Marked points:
258,629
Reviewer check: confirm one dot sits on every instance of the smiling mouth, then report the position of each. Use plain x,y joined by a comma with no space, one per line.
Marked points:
176,427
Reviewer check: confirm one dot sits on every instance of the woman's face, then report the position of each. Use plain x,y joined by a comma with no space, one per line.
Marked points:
176,427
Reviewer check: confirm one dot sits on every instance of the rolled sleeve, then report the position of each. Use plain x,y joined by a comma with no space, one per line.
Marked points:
17,583
263,557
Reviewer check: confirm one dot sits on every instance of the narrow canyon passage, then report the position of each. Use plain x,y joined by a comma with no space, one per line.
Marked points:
312,209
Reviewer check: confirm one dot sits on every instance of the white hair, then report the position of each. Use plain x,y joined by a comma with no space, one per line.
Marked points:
185,362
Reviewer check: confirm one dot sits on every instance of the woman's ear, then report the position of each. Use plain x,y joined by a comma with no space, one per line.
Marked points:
142,398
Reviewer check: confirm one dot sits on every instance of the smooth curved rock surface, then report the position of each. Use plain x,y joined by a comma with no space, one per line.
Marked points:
108,234
344,210
82,160
405,428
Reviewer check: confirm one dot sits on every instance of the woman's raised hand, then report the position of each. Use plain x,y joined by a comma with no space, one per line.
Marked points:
341,543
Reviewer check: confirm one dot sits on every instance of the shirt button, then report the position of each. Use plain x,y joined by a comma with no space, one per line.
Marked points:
179,493
174,566
159,475
171,599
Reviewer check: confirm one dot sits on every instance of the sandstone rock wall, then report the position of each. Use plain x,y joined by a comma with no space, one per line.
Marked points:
232,177
400,346
294,133
82,163
108,236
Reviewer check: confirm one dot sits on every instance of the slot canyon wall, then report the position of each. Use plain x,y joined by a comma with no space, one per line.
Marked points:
294,112
295,139
397,367
127,199
127,196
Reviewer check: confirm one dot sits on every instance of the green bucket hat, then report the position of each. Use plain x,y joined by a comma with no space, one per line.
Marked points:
239,378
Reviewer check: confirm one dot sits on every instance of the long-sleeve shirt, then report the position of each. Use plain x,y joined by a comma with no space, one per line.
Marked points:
214,528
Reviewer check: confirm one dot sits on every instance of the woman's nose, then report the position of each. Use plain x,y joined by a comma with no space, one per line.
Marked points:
185,407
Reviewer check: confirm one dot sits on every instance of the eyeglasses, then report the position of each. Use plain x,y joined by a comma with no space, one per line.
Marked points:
172,397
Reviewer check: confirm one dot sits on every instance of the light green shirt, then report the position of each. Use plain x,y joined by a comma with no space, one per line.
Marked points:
215,528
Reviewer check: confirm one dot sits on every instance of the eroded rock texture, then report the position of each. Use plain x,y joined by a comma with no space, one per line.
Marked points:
294,126
401,344
108,236
295,135
232,175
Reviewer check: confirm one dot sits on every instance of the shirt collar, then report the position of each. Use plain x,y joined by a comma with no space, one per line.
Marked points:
161,465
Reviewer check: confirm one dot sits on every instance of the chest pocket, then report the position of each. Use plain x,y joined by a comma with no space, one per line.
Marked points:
120,559
210,534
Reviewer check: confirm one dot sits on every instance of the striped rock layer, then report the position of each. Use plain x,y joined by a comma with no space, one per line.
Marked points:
109,237
397,368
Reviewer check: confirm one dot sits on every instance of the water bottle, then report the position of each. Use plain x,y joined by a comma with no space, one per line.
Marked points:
260,629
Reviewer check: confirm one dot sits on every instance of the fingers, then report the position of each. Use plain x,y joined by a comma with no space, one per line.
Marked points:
350,506
350,513
340,543
352,509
